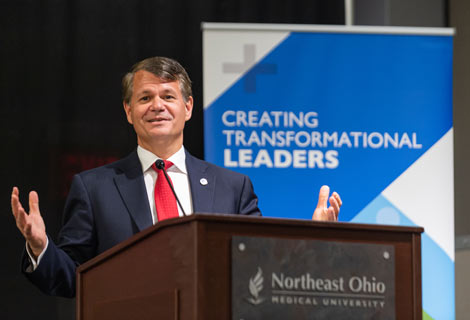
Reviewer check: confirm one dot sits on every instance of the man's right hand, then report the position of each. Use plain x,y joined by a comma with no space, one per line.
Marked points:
31,225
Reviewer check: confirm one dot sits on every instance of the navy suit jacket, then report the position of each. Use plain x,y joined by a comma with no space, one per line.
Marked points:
109,204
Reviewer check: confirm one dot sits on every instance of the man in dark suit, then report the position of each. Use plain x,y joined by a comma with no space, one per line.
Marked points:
109,204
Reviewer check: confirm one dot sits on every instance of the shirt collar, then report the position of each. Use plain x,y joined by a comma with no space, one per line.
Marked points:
147,158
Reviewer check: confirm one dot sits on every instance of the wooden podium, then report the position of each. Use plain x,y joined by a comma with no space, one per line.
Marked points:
181,268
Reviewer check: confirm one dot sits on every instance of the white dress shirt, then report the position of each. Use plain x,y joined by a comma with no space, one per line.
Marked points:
177,173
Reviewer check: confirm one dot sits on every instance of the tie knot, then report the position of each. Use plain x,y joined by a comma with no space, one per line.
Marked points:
167,163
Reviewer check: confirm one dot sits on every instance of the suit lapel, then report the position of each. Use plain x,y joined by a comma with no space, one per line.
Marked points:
131,186
202,184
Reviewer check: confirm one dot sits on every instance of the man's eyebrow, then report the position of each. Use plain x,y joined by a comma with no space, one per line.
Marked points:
144,92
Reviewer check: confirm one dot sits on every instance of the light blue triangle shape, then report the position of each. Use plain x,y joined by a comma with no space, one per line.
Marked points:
437,267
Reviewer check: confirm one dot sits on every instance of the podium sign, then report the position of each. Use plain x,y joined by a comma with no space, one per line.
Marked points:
276,278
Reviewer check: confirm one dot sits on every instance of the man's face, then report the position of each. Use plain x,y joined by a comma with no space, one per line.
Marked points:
157,110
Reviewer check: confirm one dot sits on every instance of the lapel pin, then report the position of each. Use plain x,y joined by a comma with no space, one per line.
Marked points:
203,181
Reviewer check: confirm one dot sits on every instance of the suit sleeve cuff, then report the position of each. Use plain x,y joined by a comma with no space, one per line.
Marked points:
34,263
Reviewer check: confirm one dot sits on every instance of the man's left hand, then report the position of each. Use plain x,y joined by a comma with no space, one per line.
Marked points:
323,212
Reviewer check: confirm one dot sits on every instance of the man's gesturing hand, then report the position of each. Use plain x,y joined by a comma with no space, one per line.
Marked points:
323,212
31,225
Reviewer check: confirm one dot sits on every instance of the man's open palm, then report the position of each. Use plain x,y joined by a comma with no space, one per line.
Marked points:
323,212
30,225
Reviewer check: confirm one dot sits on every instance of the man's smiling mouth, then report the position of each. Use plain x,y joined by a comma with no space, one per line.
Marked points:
159,119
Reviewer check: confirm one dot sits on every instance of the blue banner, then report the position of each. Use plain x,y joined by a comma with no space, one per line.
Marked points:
366,114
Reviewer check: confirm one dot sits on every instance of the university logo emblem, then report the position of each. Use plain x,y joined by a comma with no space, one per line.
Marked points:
255,286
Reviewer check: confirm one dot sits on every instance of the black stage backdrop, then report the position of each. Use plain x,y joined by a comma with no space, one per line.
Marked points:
61,112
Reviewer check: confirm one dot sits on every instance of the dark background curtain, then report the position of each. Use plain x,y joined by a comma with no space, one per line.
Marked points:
61,111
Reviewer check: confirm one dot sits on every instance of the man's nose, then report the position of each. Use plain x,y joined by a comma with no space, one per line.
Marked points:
158,104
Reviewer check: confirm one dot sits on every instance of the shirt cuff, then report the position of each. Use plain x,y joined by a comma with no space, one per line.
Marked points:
35,263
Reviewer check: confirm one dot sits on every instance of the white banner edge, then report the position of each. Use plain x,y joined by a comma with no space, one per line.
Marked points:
430,31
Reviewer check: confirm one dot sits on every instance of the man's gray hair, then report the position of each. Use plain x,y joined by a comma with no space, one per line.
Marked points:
162,67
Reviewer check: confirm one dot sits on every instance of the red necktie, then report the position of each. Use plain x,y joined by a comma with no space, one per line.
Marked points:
165,202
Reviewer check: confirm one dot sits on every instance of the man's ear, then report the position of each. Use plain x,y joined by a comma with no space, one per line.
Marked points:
127,110
189,108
